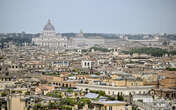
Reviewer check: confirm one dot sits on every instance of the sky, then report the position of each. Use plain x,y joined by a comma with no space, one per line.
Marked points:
92,16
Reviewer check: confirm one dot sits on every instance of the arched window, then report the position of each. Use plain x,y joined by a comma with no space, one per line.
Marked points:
109,92
85,63
139,92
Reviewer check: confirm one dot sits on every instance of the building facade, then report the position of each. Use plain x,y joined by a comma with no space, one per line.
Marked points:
82,42
48,38
86,64
111,105
110,90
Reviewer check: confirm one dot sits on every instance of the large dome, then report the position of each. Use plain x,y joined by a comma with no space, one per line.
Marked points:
49,27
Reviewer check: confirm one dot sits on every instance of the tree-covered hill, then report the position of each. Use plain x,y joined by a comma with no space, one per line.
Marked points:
156,52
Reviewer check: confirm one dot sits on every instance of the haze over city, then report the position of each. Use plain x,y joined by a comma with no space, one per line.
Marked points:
87,55
93,16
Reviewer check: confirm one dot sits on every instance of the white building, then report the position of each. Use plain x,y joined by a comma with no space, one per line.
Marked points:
111,90
81,42
60,63
86,64
143,98
48,38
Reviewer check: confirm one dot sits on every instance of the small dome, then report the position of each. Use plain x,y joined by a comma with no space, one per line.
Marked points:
49,26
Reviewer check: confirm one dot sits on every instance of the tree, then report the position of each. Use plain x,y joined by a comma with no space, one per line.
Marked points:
84,101
101,93
3,94
120,97
69,90
27,93
171,69
52,105
37,106
68,101
56,94
156,52
66,107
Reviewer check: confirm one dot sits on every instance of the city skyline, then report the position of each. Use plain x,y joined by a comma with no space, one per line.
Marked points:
97,16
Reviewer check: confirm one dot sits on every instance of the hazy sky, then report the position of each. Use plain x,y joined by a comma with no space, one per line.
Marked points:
101,16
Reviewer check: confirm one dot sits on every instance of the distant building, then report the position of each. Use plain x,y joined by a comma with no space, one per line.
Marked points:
60,63
143,98
112,90
16,102
48,38
86,64
82,42
111,105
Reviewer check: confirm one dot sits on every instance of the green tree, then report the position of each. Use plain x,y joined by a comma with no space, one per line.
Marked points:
68,101
3,94
171,69
84,101
37,107
27,93
120,97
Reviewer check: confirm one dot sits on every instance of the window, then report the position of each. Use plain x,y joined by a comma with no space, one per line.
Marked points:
110,107
85,64
139,92
143,92
105,108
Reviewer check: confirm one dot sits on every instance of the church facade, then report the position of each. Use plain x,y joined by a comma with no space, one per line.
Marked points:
49,39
